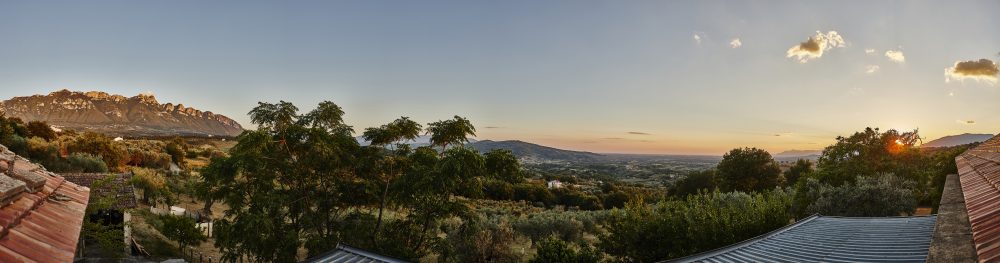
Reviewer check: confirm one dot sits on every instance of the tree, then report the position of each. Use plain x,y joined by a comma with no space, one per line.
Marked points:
286,185
870,196
177,149
181,229
448,132
693,183
385,166
501,164
748,169
152,184
555,250
801,168
871,152
482,241
42,130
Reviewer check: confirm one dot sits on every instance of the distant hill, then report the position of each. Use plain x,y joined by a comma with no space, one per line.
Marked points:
140,115
794,155
955,140
534,152
423,140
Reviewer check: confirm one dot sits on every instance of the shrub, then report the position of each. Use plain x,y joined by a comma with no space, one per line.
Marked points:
869,196
555,250
86,163
671,229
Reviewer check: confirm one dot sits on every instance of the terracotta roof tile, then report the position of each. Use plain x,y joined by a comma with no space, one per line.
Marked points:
43,225
979,173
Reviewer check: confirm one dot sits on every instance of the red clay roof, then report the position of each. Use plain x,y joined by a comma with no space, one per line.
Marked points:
43,226
979,172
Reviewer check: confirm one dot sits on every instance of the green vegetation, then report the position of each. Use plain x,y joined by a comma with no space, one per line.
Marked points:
748,169
701,222
182,230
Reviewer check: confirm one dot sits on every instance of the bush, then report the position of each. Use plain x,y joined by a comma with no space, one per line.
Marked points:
870,196
671,229
86,163
554,250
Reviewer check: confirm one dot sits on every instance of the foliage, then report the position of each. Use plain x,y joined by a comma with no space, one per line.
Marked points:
448,132
555,250
177,149
114,154
801,168
501,164
152,183
671,229
869,196
181,229
107,235
41,129
693,183
871,152
481,240
748,169
87,163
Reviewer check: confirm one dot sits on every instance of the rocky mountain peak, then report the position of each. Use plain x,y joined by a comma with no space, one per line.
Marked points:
116,114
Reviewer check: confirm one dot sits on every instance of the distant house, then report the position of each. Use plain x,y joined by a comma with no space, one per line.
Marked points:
555,184
345,253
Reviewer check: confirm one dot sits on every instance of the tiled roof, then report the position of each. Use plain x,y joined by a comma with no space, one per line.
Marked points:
979,172
344,254
834,239
120,188
43,224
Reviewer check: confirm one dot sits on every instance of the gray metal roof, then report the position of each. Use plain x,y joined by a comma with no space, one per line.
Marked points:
834,239
348,254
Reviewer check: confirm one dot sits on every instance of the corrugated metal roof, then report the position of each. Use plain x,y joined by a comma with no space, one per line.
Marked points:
979,172
41,226
344,254
834,239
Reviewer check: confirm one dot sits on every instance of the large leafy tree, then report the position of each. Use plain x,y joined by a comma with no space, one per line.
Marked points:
283,187
748,169
872,152
449,132
802,167
382,165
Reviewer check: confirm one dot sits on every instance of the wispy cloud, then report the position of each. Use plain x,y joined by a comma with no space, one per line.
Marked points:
736,43
612,138
814,47
871,69
638,133
981,70
492,127
966,122
869,51
895,56
697,38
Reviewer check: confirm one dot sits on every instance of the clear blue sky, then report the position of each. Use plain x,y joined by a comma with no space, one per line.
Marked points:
607,76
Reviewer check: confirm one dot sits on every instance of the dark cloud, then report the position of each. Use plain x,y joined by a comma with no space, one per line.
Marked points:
983,69
492,127
638,133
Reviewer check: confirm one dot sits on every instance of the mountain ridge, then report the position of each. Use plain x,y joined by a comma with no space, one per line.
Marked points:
140,115
959,139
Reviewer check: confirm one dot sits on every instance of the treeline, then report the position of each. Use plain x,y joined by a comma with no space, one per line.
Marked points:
868,174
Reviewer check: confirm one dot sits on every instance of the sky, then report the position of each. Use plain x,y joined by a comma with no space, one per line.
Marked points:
657,77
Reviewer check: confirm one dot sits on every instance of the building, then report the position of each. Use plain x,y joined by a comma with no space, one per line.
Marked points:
979,175
116,187
41,214
344,254
834,239
555,184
